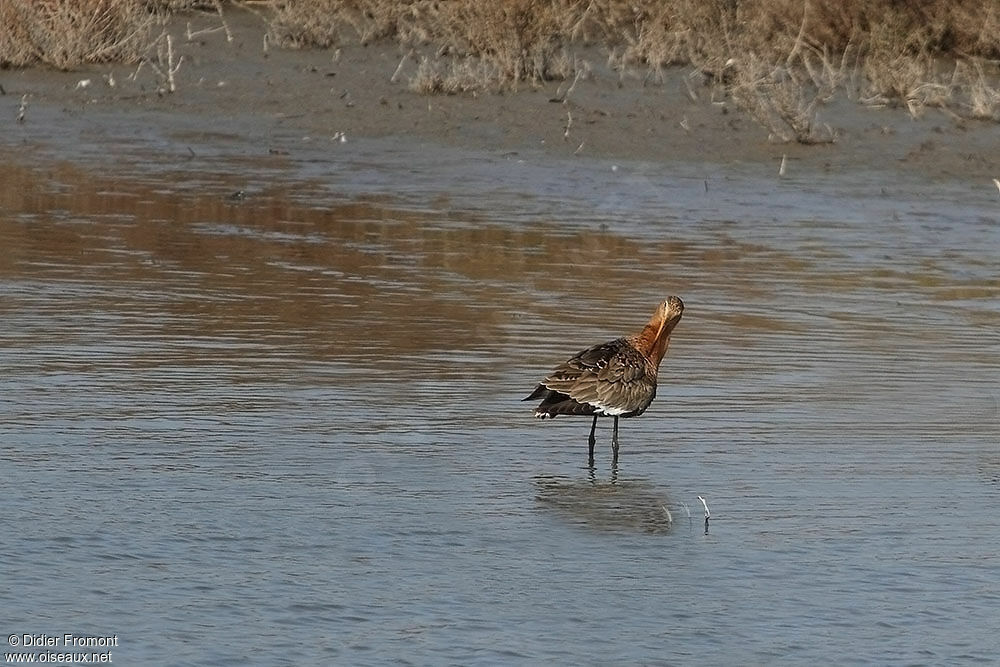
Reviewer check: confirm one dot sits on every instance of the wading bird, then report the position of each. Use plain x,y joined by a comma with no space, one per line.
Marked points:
613,379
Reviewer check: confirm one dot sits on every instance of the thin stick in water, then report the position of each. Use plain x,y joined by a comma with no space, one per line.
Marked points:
708,515
402,61
670,517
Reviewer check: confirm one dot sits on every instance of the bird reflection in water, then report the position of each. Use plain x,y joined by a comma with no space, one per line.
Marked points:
614,505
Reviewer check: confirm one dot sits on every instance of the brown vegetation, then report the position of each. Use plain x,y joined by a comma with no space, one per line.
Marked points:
779,60
65,34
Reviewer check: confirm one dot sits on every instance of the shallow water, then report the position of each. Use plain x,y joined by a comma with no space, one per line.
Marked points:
286,428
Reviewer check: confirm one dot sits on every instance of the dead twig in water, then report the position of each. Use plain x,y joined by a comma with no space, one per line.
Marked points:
165,68
670,517
402,61
135,75
708,515
208,31
579,72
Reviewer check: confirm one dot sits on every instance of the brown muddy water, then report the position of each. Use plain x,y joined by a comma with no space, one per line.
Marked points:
285,427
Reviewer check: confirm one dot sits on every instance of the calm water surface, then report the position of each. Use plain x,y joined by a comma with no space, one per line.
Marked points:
287,429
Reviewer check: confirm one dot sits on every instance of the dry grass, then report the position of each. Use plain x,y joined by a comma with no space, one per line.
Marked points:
506,43
68,33
65,34
981,97
779,60
783,100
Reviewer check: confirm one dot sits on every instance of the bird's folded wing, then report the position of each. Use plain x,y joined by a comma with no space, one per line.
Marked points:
625,397
626,383
612,375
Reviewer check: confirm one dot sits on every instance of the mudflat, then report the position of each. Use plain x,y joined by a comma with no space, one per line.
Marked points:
251,92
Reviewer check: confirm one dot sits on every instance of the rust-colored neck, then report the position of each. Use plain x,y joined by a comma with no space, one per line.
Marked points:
654,339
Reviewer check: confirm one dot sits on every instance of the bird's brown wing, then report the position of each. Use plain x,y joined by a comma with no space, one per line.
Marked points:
612,377
627,383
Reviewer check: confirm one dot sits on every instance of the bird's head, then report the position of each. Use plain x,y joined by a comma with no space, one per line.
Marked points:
666,317
668,314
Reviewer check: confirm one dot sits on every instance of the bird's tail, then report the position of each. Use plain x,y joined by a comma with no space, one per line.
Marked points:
541,391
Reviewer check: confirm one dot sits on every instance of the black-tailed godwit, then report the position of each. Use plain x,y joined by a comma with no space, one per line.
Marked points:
613,379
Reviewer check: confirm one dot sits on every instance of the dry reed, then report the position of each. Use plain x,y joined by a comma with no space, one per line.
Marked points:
65,34
779,60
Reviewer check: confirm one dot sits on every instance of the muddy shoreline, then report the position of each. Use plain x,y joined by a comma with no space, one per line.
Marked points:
237,97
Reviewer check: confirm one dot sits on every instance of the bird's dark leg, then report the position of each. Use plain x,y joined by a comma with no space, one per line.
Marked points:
592,441
614,443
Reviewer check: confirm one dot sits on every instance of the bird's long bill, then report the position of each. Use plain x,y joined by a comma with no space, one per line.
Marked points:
666,317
